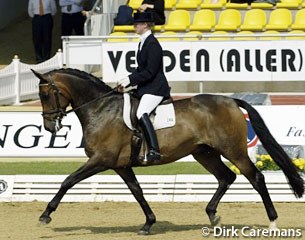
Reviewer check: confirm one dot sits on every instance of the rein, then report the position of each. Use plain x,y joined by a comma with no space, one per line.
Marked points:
92,101
62,112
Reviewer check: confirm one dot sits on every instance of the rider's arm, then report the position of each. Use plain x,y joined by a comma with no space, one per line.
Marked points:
154,62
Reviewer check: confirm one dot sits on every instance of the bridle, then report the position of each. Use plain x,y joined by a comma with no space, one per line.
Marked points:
61,112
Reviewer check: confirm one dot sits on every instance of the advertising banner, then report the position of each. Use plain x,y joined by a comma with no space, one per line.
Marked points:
286,123
214,60
22,133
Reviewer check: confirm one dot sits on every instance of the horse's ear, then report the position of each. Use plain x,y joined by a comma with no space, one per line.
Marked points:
40,76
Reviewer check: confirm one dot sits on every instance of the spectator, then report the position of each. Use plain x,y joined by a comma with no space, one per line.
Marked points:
156,7
41,12
72,17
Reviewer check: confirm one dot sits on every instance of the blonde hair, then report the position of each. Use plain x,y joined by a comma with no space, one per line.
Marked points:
150,24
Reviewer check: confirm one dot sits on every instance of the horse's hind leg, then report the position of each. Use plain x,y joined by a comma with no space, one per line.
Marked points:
130,179
256,178
210,159
89,169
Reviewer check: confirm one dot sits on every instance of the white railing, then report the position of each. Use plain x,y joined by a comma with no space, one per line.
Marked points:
158,188
18,83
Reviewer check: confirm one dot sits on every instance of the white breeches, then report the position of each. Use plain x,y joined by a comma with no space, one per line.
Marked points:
147,104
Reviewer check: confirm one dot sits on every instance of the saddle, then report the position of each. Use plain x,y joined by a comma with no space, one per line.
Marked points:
134,104
162,117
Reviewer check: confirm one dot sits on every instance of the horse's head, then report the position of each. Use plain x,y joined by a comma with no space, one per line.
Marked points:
54,101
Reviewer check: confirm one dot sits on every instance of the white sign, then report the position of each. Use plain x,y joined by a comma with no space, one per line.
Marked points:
22,133
78,52
286,123
214,60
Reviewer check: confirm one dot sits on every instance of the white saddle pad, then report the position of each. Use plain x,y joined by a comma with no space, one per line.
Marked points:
164,115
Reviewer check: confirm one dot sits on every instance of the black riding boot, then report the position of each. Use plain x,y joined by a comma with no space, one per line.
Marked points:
151,138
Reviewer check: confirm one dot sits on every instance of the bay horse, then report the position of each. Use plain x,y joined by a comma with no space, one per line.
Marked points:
207,126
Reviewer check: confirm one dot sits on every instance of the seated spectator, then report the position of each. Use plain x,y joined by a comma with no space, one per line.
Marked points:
273,2
156,7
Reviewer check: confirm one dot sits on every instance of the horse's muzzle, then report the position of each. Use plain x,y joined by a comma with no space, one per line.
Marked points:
52,126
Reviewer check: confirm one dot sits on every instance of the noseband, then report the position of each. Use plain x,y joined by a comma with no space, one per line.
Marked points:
59,111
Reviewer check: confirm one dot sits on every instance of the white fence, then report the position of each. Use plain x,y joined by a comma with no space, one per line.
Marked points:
17,82
158,188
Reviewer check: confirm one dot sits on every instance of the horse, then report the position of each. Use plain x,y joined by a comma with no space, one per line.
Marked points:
207,126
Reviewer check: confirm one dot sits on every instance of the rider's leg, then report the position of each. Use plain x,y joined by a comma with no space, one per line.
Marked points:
147,104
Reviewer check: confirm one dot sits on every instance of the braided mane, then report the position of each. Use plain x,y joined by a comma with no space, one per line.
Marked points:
83,75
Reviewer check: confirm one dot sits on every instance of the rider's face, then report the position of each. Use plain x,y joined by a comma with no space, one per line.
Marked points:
140,28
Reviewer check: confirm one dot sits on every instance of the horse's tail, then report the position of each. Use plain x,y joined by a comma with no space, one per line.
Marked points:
274,149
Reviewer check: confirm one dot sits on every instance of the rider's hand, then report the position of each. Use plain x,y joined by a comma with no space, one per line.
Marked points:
125,82
120,89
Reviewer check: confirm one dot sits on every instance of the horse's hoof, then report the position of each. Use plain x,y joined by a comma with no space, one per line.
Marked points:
45,219
215,221
143,232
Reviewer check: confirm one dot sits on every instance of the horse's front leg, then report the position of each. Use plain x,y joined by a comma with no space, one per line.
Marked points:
130,179
89,169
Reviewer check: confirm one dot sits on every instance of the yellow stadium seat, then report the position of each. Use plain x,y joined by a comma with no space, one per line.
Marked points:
255,20
188,4
170,4
229,19
280,19
213,4
135,4
222,36
178,20
118,34
204,20
289,4
244,38
136,39
265,35
296,37
237,5
123,28
262,5
158,28
170,39
196,36
299,22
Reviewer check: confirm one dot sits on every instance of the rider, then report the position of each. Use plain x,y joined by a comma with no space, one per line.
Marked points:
152,85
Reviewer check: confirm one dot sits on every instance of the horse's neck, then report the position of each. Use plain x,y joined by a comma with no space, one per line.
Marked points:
84,93
94,104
